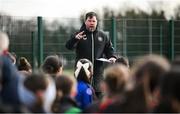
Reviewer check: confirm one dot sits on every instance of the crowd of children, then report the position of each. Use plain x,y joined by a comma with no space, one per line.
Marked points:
150,84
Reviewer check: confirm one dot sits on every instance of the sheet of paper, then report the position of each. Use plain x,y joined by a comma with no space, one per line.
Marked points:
103,60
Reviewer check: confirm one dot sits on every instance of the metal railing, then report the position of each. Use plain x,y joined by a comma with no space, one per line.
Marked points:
130,37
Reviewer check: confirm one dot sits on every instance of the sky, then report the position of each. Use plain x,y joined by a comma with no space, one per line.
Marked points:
73,8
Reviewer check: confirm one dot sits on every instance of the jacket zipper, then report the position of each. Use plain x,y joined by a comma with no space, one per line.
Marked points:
92,52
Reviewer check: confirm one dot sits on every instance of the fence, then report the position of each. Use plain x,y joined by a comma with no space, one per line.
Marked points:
35,39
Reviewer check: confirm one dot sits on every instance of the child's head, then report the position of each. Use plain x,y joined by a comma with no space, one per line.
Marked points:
147,70
123,61
115,79
65,86
52,65
84,70
24,65
37,91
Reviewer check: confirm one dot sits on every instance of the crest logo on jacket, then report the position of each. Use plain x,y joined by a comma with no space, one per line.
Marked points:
89,91
100,39
84,38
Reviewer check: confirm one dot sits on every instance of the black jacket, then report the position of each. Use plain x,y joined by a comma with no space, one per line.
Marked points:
102,48
102,45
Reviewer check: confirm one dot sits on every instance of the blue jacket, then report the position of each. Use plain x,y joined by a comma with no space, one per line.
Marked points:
85,94
10,79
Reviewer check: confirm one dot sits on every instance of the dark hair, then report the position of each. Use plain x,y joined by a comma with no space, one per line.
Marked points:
116,77
170,84
175,63
123,61
82,75
52,64
35,82
64,84
154,72
153,65
23,64
90,15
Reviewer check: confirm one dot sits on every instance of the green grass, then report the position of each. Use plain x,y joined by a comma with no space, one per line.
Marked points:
69,72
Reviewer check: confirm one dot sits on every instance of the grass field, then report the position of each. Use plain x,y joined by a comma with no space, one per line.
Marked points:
69,72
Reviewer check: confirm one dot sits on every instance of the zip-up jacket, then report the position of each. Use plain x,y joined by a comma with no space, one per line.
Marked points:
101,48
102,45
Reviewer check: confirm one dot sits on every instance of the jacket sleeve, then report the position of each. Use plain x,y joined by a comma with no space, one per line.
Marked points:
11,77
72,42
109,50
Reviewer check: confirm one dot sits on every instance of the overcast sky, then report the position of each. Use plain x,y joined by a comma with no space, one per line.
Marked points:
73,8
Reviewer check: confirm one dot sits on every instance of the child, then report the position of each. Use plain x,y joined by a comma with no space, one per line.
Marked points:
65,96
23,64
37,92
52,65
123,61
83,73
